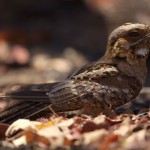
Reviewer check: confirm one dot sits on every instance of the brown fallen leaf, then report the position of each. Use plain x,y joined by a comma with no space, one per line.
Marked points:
3,128
91,126
35,139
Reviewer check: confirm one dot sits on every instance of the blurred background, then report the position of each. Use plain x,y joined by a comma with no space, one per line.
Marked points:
44,40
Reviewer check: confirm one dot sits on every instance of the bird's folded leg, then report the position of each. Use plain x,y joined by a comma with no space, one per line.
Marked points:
109,112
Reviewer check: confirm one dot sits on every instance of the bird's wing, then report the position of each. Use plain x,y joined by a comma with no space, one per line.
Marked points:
54,92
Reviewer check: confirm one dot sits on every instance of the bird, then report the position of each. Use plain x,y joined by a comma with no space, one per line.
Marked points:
98,87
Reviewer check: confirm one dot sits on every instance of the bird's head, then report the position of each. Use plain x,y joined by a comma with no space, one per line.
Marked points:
131,42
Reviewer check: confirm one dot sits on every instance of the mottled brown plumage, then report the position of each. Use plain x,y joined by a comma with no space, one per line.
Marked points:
99,87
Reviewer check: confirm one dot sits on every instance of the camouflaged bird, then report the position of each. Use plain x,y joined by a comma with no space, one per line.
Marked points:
99,87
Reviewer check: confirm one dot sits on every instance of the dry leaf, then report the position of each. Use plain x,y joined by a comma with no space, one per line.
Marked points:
23,124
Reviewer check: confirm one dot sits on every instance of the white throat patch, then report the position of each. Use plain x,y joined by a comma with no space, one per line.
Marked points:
142,52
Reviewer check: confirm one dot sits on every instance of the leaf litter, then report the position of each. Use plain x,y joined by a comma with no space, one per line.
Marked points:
125,132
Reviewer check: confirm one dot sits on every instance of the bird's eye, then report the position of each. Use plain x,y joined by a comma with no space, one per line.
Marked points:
133,34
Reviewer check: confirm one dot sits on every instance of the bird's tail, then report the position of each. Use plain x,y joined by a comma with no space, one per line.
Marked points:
33,92
23,101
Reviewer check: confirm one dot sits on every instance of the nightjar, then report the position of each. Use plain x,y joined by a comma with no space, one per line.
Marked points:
98,87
